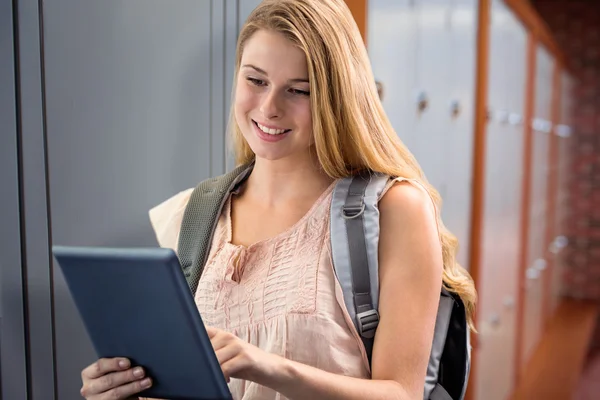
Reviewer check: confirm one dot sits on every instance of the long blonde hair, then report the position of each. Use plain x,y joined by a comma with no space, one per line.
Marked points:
350,126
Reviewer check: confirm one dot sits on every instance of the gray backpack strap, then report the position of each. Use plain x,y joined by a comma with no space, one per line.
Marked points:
200,221
354,229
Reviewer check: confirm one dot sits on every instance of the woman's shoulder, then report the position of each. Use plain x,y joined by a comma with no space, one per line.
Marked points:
406,195
167,216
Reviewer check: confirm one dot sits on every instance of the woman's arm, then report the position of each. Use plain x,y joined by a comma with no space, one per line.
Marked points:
410,272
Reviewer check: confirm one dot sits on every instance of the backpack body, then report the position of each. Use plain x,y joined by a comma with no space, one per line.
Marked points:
354,228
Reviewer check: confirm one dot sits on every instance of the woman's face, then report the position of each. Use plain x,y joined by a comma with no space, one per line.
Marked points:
272,99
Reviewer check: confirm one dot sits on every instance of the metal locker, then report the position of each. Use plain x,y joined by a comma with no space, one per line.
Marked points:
563,131
537,248
13,353
392,47
499,263
431,88
489,311
131,120
458,135
237,13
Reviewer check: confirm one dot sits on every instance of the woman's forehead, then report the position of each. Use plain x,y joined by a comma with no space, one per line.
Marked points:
274,54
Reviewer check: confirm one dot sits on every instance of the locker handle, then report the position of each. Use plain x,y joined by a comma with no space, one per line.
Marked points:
559,243
502,116
532,274
455,108
422,101
494,319
541,125
563,131
515,119
540,264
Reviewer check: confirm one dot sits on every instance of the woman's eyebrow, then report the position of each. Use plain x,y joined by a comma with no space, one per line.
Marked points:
263,72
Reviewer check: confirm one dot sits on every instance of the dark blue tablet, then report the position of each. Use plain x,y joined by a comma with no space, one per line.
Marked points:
135,303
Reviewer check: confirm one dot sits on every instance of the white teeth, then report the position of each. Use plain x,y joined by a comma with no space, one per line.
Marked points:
270,131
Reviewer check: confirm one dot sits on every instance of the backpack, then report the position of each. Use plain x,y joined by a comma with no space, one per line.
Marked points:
354,227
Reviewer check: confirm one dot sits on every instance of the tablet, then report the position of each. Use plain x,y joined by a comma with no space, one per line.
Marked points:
135,303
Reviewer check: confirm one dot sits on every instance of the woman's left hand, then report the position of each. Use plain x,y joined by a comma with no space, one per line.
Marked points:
239,359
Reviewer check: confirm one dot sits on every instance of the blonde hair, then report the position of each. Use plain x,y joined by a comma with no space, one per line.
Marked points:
350,126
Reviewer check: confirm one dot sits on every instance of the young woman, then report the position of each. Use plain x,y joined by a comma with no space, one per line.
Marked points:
306,112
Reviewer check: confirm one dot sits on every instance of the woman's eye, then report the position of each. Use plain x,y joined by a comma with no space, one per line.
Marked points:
256,82
300,92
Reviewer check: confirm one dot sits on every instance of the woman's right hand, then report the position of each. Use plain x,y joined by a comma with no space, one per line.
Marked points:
113,379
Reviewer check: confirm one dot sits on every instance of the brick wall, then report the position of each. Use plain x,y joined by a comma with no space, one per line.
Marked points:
576,26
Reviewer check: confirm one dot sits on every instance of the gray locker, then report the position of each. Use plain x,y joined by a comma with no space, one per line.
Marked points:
423,52
500,252
431,86
563,131
115,107
392,45
458,135
537,246
13,362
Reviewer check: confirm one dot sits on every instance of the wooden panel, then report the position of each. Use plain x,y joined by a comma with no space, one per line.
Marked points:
537,26
479,145
359,12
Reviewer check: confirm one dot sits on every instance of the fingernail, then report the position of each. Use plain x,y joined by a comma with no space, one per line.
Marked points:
123,363
146,383
138,372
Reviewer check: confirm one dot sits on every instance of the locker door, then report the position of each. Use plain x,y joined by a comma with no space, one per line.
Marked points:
537,249
563,131
237,11
392,50
488,311
498,266
431,88
458,145
13,375
513,161
130,122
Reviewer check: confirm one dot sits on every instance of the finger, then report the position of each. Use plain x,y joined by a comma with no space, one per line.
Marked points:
226,353
231,367
212,332
104,366
128,390
114,380
223,340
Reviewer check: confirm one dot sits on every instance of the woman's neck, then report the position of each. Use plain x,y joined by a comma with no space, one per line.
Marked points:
280,181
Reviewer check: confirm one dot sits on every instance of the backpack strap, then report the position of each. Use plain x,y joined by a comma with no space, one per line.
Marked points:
354,229
200,221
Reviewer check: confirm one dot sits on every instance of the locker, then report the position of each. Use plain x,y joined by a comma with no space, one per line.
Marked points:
392,46
237,11
407,57
499,263
537,248
13,374
431,88
458,146
129,124
563,131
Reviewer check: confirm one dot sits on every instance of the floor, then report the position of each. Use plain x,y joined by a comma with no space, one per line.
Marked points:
589,385
558,368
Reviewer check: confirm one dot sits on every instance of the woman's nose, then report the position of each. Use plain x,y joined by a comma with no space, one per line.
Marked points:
270,106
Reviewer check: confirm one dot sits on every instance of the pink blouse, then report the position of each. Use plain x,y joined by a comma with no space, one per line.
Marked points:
280,294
